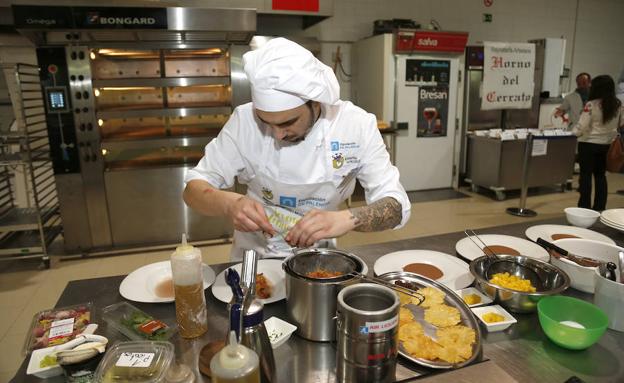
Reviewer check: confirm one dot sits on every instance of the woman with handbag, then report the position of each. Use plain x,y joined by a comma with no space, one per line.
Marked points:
596,130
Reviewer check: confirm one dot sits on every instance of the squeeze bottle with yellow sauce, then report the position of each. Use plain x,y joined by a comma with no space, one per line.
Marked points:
235,363
188,285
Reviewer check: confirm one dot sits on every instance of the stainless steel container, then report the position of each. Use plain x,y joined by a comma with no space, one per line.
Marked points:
546,278
367,319
311,302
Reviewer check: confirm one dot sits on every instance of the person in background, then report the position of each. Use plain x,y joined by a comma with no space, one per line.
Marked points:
574,101
596,129
299,149
619,92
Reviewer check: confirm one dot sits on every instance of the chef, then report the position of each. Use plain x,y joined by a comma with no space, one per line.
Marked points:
299,149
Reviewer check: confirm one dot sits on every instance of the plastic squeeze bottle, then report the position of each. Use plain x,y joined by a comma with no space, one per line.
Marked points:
188,285
235,363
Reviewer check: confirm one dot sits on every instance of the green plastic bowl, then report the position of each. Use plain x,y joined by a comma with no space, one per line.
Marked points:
553,310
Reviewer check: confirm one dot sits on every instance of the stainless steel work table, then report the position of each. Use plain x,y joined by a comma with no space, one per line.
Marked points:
523,350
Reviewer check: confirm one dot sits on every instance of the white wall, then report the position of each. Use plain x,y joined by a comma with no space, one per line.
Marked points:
598,49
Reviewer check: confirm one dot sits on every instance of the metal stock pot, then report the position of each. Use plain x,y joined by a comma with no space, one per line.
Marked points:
311,302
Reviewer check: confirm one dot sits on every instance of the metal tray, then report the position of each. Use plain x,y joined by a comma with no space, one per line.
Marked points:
452,299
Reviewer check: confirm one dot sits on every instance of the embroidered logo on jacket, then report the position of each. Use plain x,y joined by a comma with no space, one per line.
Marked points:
338,160
267,193
288,201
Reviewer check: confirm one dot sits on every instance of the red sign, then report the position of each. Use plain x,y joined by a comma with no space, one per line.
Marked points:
296,5
430,41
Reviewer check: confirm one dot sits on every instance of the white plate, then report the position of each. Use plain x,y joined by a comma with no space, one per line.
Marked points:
272,270
485,300
546,232
140,284
456,272
470,251
615,216
611,223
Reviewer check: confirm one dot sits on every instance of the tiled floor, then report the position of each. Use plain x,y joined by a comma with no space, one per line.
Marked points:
24,292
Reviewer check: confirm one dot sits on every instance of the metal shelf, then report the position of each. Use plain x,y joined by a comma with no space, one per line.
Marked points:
22,219
165,112
13,159
26,232
27,243
161,82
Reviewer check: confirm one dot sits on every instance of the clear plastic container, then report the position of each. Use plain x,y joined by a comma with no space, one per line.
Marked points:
57,326
136,324
137,362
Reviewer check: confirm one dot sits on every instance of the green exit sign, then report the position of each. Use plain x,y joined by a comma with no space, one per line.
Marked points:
487,17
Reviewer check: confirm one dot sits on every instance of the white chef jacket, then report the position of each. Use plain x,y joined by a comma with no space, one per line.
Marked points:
342,130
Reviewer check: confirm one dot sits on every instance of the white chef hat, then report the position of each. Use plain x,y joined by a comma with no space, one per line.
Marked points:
285,75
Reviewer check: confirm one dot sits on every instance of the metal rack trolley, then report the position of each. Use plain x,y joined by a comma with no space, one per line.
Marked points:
26,232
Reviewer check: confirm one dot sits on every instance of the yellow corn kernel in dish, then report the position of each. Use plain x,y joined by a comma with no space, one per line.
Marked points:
492,317
472,299
512,282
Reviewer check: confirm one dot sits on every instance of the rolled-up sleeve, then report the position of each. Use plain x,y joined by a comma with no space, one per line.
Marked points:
222,160
377,175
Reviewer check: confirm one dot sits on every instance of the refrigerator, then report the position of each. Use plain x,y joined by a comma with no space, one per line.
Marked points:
411,79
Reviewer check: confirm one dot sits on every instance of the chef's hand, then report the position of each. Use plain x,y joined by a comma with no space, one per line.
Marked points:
248,215
320,224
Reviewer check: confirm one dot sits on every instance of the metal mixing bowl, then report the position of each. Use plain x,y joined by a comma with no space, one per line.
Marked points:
546,278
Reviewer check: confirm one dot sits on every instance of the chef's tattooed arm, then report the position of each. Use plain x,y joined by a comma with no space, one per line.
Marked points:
379,215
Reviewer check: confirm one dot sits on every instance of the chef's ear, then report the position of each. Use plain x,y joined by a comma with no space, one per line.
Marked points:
315,107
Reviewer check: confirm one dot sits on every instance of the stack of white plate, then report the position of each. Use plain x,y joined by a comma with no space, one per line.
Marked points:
613,218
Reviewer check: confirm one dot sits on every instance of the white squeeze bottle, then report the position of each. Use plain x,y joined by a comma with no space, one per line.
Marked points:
235,363
190,302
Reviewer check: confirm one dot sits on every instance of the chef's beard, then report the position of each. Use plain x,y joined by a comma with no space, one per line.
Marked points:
293,140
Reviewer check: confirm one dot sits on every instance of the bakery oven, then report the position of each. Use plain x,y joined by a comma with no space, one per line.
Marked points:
131,103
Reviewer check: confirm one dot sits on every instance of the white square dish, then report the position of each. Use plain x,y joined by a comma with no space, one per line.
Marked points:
497,326
485,300
279,331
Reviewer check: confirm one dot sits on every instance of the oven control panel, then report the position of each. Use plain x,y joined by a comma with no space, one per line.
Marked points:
58,107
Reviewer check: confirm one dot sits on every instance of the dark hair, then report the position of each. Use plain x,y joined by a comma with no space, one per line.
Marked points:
603,89
583,74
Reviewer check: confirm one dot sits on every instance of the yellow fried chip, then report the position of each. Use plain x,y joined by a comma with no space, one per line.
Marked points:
422,347
410,331
450,354
456,343
405,316
432,296
408,299
442,315
456,334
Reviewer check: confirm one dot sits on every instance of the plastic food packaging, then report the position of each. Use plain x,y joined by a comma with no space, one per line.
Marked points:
136,324
57,326
137,362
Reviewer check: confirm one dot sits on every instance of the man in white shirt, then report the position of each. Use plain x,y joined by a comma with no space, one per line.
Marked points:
574,102
299,150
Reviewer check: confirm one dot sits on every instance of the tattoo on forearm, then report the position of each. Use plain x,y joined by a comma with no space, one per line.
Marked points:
379,215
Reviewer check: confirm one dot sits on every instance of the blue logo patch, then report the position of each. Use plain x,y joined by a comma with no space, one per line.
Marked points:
335,146
288,201
363,330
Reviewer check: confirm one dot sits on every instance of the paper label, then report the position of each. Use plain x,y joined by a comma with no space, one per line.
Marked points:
374,327
540,148
507,136
135,359
61,328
